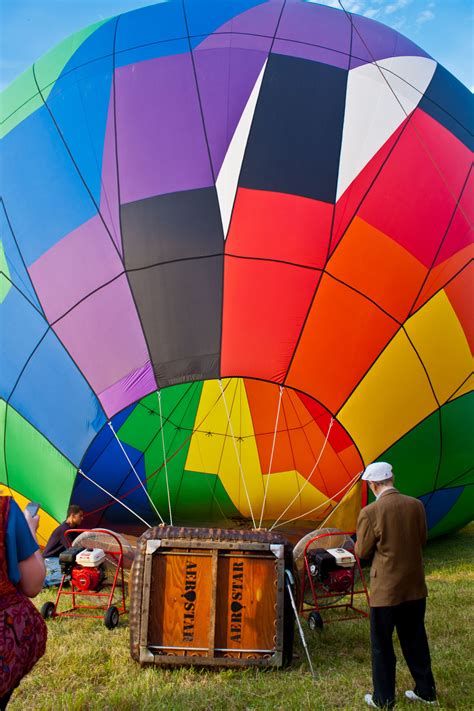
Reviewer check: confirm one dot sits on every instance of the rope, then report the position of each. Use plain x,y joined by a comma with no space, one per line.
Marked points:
135,472
175,453
308,479
271,457
237,453
324,503
158,392
113,497
355,480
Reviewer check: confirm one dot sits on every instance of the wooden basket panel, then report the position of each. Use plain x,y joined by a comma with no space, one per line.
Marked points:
181,592
246,606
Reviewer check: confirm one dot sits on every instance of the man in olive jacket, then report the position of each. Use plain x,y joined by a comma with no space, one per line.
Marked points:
391,532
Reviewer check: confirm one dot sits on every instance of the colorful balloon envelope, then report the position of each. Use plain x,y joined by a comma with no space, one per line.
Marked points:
235,268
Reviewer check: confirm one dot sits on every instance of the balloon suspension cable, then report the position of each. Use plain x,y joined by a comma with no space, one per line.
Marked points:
298,494
347,486
237,453
135,472
114,498
158,392
267,482
352,483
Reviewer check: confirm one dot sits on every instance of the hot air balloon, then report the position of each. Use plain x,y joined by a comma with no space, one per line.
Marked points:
236,253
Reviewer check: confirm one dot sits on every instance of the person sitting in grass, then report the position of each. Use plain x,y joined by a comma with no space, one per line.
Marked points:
57,543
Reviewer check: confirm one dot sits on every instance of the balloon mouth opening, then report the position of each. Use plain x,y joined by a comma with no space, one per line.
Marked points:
232,453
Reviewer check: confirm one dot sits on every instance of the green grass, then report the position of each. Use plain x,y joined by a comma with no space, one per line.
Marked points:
87,666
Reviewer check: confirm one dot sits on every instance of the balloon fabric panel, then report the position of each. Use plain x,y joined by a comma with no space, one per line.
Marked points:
288,228
94,334
349,202
182,225
459,235
446,91
296,131
56,271
12,266
35,467
179,147
266,301
441,344
343,334
227,68
393,397
379,98
56,399
32,88
58,201
372,263
458,516
183,298
459,291
426,214
17,344
276,190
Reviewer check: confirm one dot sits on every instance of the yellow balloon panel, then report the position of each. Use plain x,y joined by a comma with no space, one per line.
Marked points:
291,493
394,396
47,523
344,517
467,387
225,445
438,337
213,450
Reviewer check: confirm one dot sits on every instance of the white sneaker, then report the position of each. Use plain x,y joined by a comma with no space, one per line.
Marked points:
414,697
370,702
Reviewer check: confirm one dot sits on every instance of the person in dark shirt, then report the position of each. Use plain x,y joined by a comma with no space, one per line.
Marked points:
57,543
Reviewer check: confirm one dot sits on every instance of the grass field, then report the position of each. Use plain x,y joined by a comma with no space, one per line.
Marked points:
87,666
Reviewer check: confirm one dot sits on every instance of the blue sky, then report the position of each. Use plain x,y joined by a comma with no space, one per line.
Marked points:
29,28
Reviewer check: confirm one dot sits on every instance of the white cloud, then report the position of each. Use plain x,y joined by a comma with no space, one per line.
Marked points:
425,16
396,6
372,12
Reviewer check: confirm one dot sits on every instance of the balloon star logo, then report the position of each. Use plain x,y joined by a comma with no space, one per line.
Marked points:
236,605
190,581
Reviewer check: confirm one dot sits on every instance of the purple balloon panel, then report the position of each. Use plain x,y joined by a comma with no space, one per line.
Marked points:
131,387
74,267
161,142
227,67
103,334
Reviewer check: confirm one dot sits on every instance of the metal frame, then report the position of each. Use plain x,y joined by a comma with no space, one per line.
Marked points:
75,593
319,593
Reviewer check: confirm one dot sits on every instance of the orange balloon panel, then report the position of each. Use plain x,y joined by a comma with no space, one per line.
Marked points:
378,267
442,274
342,337
300,439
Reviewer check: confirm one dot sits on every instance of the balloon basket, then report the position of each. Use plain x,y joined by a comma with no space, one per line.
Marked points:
210,597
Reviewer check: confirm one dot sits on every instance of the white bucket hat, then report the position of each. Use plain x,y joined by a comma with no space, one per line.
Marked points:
378,471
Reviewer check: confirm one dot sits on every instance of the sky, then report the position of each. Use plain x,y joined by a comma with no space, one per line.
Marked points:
29,28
